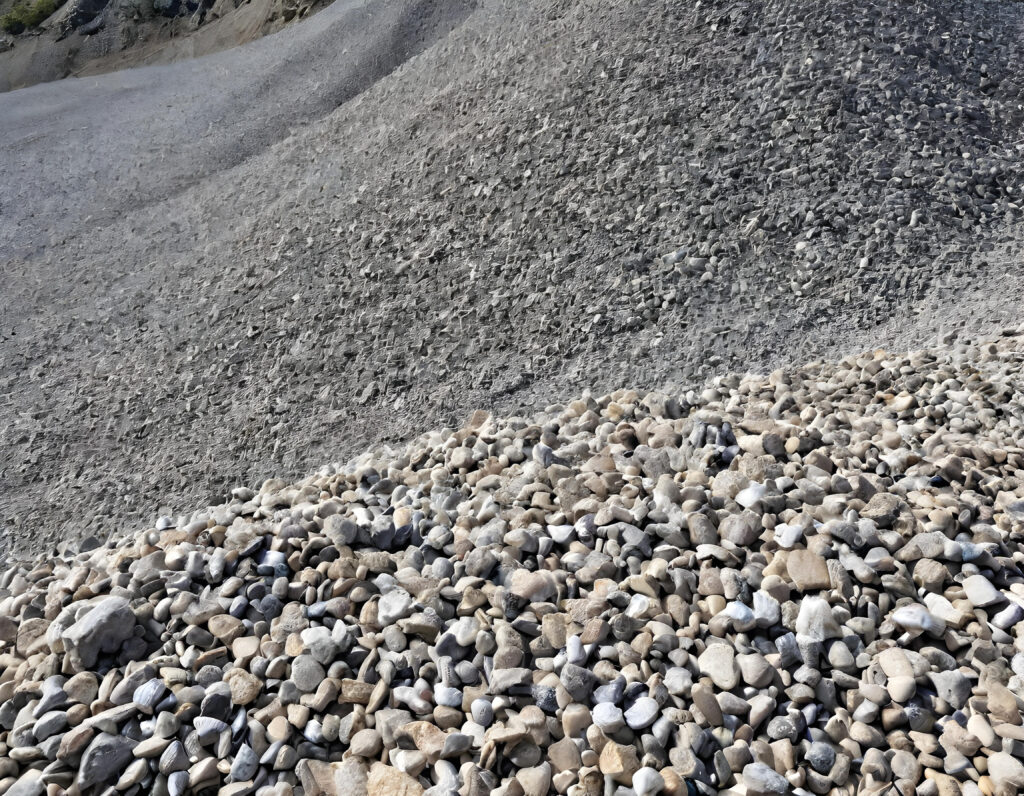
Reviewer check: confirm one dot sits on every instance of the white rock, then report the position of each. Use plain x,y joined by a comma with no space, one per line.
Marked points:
751,495
981,592
815,621
608,717
788,536
647,782
767,610
1005,769
738,612
916,617
395,605
639,604
642,713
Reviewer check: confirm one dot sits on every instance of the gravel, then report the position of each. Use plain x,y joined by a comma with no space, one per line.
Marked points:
392,214
474,650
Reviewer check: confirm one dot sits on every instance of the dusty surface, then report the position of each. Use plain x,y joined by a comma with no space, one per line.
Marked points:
300,250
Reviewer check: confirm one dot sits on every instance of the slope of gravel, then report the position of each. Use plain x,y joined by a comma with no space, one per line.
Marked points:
810,582
555,196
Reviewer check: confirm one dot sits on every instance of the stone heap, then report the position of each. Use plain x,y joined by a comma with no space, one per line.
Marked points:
559,195
805,583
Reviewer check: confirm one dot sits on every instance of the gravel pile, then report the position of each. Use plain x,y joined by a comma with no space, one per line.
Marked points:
808,582
212,282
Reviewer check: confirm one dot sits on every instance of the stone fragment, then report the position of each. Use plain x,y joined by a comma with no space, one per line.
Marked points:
103,629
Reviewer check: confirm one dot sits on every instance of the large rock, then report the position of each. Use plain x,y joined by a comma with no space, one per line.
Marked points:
387,781
106,626
332,779
762,780
1005,769
73,15
105,760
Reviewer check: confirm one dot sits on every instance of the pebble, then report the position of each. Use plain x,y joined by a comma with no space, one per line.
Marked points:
761,780
648,782
642,714
718,662
568,619
608,717
981,592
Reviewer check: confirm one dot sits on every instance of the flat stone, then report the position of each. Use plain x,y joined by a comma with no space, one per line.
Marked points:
347,778
808,570
307,674
225,628
718,662
704,699
981,592
105,759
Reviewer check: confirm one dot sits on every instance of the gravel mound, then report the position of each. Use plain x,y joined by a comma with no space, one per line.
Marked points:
803,583
553,197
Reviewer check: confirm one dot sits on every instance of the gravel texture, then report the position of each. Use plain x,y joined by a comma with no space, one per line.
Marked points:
803,583
312,250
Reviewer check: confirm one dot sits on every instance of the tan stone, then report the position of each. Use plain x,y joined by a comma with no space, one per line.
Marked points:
245,687
428,738
619,761
32,637
279,729
225,627
807,570
565,756
1002,703
387,781
354,691
553,628
348,778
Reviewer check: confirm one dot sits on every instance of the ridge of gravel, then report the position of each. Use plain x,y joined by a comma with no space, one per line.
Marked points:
810,582
549,198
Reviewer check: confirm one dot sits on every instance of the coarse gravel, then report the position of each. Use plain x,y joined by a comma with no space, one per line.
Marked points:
810,582
330,240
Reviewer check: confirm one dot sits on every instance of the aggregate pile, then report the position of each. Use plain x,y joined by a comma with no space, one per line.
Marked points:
808,582
223,270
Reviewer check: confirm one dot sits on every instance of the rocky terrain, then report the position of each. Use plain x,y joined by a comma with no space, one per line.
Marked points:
802,583
548,197
749,550
91,37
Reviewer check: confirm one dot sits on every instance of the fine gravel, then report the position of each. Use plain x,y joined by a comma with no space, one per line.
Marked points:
803,583
226,269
